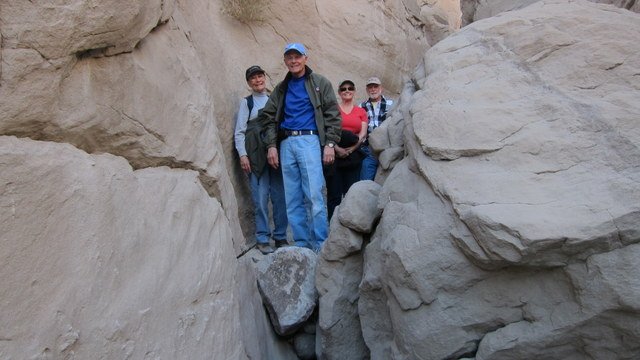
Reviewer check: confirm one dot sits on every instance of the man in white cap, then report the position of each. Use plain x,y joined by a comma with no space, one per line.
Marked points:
377,107
302,116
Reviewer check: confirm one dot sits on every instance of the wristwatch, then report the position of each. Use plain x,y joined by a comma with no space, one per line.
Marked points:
331,144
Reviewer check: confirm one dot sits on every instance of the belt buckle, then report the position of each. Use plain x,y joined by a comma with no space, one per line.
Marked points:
295,133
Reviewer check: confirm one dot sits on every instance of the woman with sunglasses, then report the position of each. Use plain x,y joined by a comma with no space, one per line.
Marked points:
346,169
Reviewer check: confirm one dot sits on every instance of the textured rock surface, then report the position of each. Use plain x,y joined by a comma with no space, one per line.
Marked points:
58,85
385,38
260,340
286,279
147,103
524,132
338,275
147,273
510,229
474,10
359,210
305,346
155,83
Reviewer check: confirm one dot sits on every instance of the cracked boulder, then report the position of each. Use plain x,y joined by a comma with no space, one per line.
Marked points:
511,228
338,274
541,141
96,76
286,280
474,10
101,261
359,209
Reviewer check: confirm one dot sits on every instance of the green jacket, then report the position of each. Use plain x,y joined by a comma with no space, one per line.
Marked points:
323,98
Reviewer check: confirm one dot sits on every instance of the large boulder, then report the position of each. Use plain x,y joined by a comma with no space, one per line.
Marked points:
286,280
101,261
474,10
530,125
338,275
259,338
359,209
156,83
71,80
511,228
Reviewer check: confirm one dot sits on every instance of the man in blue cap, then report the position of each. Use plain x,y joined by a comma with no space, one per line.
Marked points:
302,116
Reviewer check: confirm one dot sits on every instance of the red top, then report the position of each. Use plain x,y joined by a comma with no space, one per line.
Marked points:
353,120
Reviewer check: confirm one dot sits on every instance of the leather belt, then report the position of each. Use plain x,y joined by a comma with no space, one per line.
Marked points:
300,132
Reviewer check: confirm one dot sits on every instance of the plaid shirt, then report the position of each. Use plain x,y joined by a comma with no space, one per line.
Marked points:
378,114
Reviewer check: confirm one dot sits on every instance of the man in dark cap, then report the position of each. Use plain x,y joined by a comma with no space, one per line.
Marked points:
266,182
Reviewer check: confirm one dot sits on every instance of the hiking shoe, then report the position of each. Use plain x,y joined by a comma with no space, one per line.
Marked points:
265,248
281,243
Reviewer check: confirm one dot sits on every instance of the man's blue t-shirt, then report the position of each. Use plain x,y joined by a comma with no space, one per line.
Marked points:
298,109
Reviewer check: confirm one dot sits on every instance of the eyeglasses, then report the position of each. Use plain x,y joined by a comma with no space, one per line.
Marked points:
348,88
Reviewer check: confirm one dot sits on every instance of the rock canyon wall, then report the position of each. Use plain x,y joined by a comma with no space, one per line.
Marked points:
504,223
122,208
511,228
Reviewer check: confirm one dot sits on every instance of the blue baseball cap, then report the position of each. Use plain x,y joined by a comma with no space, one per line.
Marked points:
297,47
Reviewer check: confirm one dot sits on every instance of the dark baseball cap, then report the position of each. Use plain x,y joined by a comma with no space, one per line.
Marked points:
255,69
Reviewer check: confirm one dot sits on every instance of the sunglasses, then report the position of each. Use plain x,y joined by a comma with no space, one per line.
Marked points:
348,88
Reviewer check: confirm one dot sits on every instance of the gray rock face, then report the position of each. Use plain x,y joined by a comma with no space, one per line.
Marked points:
474,10
72,76
260,340
358,210
305,346
510,188
151,87
147,273
286,279
511,228
338,276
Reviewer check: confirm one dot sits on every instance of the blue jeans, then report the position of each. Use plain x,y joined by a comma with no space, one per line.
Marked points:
369,164
269,184
301,162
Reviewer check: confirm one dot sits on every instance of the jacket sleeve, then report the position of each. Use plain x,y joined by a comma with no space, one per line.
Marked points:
241,127
269,120
331,113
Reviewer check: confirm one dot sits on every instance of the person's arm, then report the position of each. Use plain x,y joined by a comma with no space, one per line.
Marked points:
239,135
331,114
341,152
269,124
364,118
361,136
332,122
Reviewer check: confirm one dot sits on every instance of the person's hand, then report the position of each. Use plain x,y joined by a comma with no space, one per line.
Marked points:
272,157
244,164
329,155
341,153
